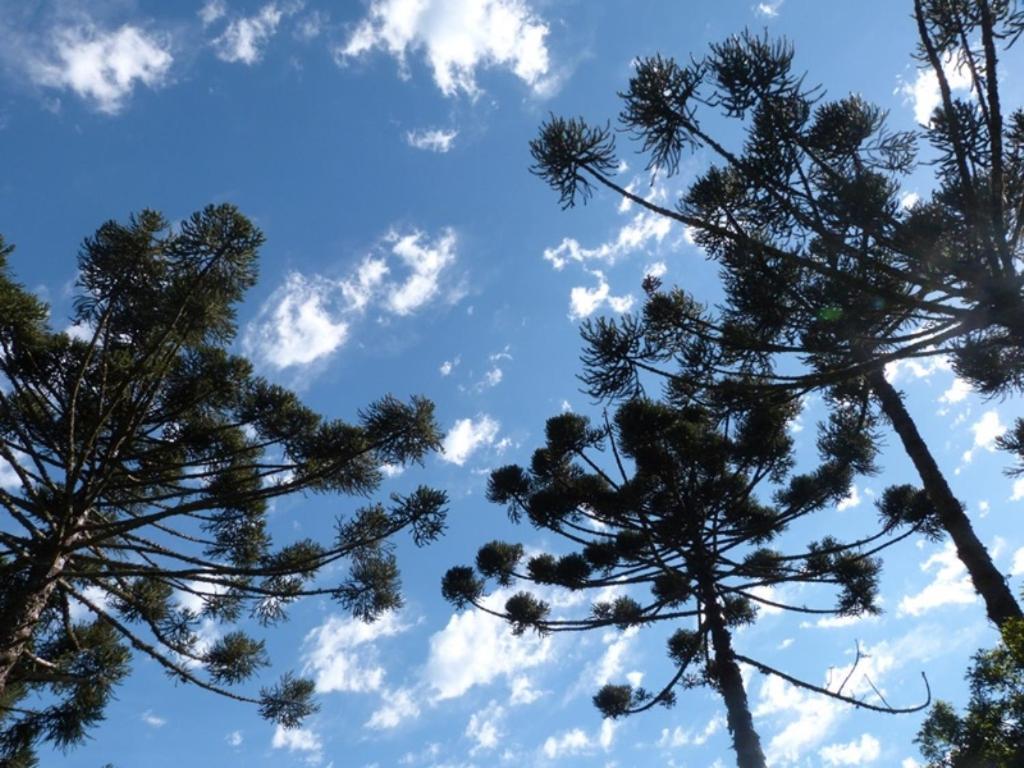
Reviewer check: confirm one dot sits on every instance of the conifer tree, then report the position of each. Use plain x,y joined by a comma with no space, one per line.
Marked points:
145,455
990,733
819,260
676,520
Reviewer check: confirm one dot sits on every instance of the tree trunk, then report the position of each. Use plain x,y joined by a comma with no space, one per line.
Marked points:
988,581
745,740
23,611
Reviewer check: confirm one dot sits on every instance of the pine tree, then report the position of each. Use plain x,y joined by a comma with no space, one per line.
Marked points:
819,260
990,733
145,455
674,522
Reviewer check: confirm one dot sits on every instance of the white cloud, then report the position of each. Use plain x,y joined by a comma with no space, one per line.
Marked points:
457,37
895,369
571,742
924,92
606,735
986,430
852,500
610,665
297,325
432,140
475,648
298,740
583,301
577,741
811,718
680,737
808,719
82,331
311,25
104,66
1017,567
495,357
657,269
245,38
951,585
448,366
997,547
767,592
360,288
838,622
392,470
212,10
523,691
768,9
858,752
644,228
957,391
909,200
309,318
467,436
1018,490
484,727
425,261
234,738
493,377
341,652
154,721
399,706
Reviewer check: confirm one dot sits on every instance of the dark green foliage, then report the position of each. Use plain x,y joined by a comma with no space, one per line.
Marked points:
615,700
289,701
524,611
990,732
146,456
662,505
821,263
461,587
907,505
234,658
565,149
498,561
819,257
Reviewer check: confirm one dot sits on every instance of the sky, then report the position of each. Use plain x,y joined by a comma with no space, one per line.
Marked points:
382,147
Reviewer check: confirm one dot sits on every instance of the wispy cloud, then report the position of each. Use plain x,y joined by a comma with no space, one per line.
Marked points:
585,301
342,656
103,66
246,37
432,139
299,740
950,586
457,39
310,317
467,436
924,94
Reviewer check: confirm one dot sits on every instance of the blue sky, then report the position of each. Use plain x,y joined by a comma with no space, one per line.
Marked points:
381,146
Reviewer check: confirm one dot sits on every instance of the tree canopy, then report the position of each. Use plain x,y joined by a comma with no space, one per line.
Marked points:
990,732
146,456
827,276
679,524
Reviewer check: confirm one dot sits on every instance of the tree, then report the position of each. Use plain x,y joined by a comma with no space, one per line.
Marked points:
990,734
145,455
820,262
677,512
